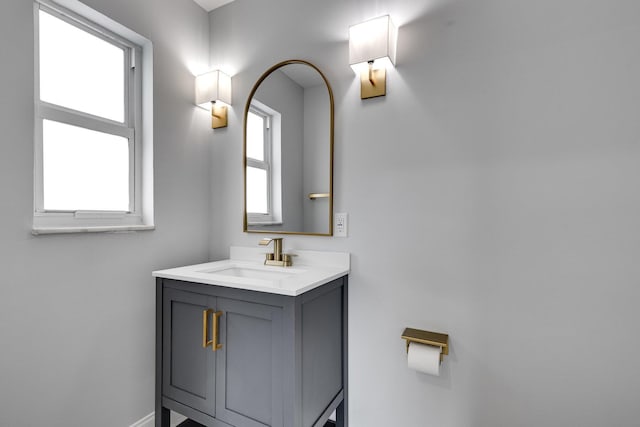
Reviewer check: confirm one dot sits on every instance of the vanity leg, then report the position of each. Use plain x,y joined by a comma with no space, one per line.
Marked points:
342,412
163,418
340,419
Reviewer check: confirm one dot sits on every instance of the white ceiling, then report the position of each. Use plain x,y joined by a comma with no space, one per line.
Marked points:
209,5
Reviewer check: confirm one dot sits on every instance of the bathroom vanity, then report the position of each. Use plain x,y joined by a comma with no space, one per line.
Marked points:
242,344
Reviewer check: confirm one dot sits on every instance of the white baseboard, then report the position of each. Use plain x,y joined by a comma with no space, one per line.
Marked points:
149,420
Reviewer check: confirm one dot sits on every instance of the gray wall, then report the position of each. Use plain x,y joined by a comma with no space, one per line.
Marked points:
493,194
77,312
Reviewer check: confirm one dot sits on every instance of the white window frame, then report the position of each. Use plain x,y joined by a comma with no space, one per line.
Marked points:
137,126
271,164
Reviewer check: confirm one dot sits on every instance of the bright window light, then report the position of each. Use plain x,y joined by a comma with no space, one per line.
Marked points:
79,70
257,191
255,136
84,169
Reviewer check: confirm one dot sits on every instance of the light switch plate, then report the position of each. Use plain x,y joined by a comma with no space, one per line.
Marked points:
340,225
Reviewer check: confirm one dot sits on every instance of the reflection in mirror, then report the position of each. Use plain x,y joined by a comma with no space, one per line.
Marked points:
288,152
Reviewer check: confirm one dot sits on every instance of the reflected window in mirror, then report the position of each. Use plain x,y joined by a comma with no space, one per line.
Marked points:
264,200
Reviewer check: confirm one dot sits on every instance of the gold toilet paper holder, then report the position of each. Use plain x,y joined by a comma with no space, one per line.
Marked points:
427,337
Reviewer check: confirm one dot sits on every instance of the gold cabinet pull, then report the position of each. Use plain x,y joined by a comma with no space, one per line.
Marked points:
206,342
215,345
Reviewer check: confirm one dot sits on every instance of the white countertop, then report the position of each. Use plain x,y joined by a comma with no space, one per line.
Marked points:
245,269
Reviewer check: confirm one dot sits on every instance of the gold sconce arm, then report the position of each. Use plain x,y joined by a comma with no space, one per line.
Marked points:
373,83
371,73
218,115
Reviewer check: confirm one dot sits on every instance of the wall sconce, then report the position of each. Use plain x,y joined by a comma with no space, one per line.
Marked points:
213,91
372,47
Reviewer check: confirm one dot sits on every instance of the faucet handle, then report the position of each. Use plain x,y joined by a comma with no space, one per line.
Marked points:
265,241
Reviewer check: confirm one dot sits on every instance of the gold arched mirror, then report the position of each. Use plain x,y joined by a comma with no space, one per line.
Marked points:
288,152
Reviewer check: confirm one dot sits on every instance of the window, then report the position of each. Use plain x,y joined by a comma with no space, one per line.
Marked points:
263,165
258,162
92,155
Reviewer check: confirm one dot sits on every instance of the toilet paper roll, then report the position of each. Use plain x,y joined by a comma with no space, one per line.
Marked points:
424,358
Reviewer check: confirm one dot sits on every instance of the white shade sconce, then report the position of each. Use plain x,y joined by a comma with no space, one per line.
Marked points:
372,48
213,91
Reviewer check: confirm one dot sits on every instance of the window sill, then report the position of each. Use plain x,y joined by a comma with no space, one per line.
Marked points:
38,231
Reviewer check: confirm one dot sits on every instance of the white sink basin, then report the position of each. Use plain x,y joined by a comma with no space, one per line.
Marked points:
272,273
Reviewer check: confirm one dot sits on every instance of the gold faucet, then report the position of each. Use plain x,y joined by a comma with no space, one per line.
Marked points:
277,257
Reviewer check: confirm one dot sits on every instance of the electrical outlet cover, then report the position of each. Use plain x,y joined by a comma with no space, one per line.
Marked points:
340,225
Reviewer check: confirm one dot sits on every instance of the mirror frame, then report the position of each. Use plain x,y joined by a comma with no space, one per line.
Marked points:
244,148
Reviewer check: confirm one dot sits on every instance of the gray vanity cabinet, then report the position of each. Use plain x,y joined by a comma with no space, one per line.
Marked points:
281,362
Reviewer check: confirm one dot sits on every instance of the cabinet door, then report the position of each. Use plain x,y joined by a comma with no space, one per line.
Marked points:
249,365
188,369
